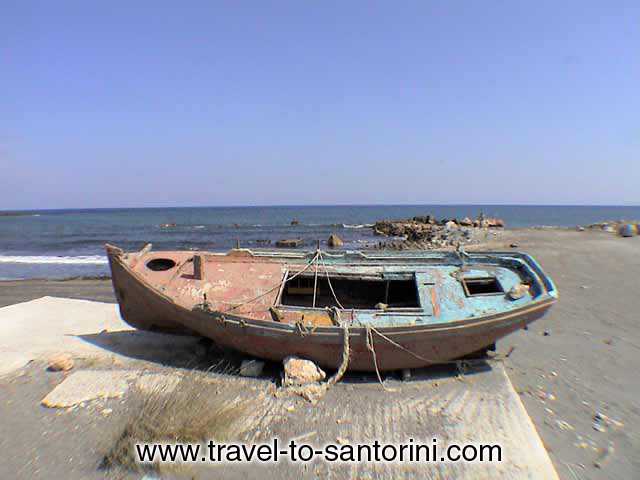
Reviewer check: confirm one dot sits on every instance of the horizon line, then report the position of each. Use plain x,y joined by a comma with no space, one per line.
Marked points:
19,210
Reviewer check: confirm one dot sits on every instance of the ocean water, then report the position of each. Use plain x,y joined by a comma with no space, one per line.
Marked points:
70,243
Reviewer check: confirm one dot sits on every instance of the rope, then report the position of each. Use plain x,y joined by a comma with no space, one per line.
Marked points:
326,271
315,278
345,350
371,348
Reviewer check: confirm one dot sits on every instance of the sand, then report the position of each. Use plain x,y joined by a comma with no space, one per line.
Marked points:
579,361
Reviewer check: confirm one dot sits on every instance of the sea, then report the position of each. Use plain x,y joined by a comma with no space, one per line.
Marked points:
58,244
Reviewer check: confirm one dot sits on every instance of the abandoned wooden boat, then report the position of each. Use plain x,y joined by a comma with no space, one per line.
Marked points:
396,309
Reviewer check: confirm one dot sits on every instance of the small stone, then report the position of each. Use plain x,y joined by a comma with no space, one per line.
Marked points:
546,333
514,245
298,371
602,421
61,362
341,441
604,457
562,425
107,411
406,374
251,368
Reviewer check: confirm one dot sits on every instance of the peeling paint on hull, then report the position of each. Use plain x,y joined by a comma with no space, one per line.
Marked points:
448,327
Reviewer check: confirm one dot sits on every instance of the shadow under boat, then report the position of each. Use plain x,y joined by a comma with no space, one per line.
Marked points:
200,353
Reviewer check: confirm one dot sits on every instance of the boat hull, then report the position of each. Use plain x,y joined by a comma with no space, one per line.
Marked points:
395,347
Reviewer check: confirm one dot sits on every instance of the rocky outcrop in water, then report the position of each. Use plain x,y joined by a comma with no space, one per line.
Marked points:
335,241
427,232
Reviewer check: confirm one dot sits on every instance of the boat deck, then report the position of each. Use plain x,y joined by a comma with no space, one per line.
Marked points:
249,285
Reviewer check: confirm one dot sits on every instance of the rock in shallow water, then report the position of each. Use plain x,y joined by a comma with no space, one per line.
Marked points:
335,241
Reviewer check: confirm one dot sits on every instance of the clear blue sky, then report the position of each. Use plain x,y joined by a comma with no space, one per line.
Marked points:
151,103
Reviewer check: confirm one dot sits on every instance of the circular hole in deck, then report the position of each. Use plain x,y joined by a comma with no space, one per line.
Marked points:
160,264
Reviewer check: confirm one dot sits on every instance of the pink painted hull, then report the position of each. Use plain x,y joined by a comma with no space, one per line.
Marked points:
144,307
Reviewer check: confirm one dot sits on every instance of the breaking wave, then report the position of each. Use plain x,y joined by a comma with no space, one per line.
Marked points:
361,225
32,259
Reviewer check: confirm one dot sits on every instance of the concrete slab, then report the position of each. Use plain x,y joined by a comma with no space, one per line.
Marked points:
86,385
483,407
36,329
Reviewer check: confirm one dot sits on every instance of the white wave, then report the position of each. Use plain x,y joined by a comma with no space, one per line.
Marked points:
361,225
198,227
33,259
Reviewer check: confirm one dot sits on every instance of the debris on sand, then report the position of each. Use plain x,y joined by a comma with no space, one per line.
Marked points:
298,371
311,392
621,227
154,382
302,377
192,411
602,421
60,362
604,456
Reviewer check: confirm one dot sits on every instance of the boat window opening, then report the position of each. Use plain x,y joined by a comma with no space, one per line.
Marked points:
482,286
160,264
352,292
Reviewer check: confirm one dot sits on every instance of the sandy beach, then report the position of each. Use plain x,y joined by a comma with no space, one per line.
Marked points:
575,364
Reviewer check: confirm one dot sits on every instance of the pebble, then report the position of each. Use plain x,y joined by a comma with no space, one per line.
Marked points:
61,362
562,425
604,457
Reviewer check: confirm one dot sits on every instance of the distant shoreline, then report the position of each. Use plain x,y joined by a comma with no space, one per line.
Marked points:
19,213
